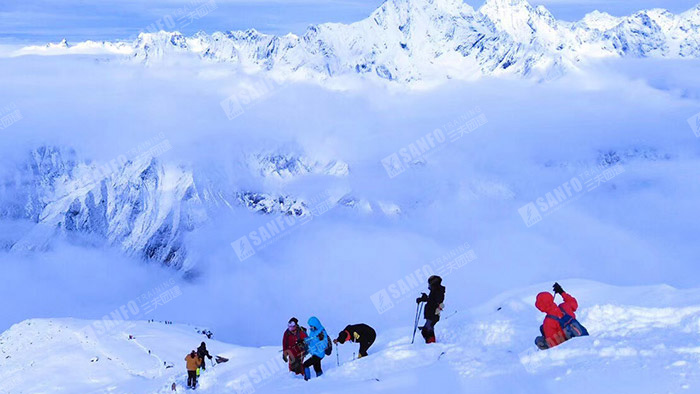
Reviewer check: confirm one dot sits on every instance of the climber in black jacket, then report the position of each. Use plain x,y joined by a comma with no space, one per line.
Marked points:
358,333
203,352
433,307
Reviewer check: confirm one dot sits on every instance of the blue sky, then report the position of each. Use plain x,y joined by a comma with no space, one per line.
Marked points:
41,21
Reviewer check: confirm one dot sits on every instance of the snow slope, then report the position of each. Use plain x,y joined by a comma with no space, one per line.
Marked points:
643,340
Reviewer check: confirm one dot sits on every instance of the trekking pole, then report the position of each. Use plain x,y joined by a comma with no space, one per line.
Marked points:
419,308
415,323
337,355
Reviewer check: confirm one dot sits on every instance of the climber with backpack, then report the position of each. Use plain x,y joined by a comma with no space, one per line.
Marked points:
560,324
293,346
433,307
318,345
358,333
193,362
203,352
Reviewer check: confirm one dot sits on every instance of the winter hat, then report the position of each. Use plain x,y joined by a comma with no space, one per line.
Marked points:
295,320
435,280
343,336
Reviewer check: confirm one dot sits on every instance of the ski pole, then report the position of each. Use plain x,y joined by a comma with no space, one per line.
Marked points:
337,355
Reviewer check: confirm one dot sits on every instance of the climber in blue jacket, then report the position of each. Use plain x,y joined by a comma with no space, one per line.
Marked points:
318,345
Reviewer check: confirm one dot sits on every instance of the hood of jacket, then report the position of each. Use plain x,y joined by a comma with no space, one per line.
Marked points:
545,304
314,322
316,346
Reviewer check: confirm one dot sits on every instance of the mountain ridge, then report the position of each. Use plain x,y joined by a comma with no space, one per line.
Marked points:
144,205
407,41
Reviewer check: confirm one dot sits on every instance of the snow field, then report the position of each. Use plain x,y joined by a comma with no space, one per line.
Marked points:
644,346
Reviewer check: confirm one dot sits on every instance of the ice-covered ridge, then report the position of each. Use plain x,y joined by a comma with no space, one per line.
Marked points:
425,40
84,47
284,166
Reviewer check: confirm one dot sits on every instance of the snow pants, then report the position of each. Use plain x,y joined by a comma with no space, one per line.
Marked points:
428,331
295,364
365,343
316,363
191,378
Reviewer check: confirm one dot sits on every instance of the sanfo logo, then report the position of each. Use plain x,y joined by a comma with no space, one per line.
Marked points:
534,211
398,162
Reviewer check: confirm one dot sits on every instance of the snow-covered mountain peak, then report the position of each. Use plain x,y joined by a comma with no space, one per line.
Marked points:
600,20
507,8
504,4
62,44
692,14
415,18
521,21
286,166
422,5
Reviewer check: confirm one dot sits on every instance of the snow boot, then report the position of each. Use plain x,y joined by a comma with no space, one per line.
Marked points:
541,343
307,373
430,340
318,374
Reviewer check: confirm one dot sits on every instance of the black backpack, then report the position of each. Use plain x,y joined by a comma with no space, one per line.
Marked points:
329,345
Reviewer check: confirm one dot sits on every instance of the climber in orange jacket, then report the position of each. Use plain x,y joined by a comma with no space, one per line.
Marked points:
193,362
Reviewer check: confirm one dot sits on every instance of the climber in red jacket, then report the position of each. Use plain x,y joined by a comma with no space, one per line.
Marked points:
560,324
293,346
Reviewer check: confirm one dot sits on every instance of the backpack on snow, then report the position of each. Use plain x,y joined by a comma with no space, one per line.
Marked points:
571,327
